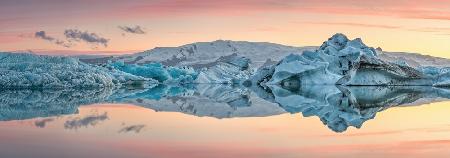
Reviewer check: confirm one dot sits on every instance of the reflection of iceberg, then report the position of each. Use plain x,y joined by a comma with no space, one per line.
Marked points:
233,96
155,93
341,107
333,107
220,101
376,96
26,104
338,107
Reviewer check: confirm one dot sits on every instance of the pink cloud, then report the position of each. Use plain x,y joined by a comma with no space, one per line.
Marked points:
10,37
355,24
421,9
81,52
32,13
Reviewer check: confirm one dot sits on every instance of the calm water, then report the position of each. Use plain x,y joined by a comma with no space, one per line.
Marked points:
225,121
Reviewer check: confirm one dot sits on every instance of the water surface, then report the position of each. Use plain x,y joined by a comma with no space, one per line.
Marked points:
226,121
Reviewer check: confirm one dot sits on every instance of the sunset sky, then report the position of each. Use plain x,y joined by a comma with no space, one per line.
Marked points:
117,26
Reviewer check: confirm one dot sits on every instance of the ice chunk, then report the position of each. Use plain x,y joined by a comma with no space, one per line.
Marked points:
233,70
152,70
18,70
157,71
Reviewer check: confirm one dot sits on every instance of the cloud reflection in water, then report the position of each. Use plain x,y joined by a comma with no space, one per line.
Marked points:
338,107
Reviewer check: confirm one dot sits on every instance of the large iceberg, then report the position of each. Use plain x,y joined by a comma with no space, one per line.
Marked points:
340,61
20,70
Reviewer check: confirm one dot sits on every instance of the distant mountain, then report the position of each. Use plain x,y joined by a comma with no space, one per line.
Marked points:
205,54
415,59
202,54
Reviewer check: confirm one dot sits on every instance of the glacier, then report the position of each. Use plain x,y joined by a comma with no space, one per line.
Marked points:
29,71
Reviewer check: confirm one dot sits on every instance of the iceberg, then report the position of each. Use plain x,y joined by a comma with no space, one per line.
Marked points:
232,69
20,71
340,61
157,71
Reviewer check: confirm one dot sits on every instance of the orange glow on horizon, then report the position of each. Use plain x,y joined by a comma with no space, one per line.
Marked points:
407,26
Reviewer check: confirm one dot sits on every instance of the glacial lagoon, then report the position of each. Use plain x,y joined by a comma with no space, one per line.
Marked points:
214,120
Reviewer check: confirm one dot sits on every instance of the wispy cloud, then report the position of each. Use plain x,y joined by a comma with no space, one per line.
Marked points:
355,24
419,9
432,29
132,128
42,123
74,36
90,120
91,38
81,52
132,29
13,37
43,35
437,30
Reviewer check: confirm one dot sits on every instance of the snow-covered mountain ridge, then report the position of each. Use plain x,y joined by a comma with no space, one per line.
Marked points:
204,54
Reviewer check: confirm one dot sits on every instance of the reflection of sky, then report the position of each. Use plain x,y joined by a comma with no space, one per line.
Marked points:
414,26
421,131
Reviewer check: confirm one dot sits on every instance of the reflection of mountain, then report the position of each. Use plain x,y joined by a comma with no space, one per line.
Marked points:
214,100
337,107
